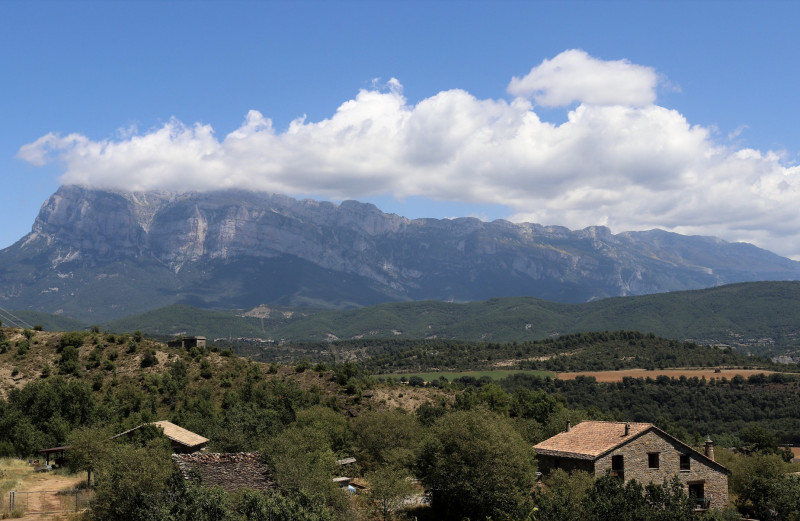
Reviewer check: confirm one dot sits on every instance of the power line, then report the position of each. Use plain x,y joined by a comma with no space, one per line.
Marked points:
14,320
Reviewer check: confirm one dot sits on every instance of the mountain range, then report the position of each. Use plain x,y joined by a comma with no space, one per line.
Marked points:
96,255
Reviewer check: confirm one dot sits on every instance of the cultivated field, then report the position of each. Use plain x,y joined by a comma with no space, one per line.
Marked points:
617,376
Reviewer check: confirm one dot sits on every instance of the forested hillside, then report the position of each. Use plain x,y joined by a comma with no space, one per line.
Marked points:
760,317
77,388
607,350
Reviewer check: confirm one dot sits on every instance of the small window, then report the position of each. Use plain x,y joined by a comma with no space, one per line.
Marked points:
618,467
652,460
686,462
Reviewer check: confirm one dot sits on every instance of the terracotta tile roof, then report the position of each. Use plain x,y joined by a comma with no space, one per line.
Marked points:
590,439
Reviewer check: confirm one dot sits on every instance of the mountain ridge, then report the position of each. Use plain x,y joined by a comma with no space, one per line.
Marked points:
100,254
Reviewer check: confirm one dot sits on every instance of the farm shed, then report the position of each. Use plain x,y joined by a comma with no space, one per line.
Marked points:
182,440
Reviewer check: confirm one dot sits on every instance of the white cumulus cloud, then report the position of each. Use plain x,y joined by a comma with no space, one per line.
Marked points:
619,159
574,76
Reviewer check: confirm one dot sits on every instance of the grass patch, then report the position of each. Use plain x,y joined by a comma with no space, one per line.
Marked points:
12,477
494,374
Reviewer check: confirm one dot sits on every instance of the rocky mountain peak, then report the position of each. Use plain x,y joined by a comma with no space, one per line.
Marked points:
241,249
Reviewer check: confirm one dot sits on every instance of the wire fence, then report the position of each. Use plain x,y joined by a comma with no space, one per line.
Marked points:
47,501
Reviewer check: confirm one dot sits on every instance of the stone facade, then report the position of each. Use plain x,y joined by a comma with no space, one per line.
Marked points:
230,471
636,461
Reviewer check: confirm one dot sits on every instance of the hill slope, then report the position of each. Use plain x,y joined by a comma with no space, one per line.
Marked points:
761,317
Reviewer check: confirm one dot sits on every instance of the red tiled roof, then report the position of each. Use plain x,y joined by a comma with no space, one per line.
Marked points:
590,439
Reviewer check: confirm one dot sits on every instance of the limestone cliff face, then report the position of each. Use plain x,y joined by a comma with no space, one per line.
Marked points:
238,249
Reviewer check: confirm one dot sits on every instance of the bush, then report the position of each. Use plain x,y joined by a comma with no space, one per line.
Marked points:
205,369
416,381
68,363
149,359
73,338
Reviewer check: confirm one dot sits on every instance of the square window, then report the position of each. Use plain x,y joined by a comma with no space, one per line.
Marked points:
652,460
685,462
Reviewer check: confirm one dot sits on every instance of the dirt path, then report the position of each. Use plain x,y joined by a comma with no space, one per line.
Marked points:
38,495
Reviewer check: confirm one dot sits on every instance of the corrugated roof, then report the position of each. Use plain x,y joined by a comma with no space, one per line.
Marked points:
179,434
590,439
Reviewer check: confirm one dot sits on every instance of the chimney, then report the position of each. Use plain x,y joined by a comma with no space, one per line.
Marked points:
709,449
627,428
569,426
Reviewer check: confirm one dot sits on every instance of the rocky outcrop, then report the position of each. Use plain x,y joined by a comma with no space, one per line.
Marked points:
239,249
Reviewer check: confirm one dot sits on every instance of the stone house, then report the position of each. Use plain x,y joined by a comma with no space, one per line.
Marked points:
188,342
639,451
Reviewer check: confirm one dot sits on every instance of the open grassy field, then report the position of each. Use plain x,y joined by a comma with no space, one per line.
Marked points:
494,374
617,376
600,376
13,476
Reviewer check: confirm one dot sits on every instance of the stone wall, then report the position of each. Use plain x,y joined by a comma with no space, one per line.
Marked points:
230,471
636,466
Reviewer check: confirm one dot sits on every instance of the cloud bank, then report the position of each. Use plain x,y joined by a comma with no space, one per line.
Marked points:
618,160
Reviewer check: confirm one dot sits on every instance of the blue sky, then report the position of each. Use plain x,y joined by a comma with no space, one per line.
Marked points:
634,115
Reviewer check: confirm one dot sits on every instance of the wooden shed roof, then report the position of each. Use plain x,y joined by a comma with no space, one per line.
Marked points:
181,435
173,432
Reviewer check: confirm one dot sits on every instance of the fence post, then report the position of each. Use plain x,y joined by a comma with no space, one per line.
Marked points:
11,502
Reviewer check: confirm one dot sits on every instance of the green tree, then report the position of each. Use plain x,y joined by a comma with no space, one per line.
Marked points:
387,438
273,506
304,464
73,338
389,487
328,421
561,497
68,363
762,487
130,483
610,498
88,447
760,439
476,465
